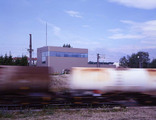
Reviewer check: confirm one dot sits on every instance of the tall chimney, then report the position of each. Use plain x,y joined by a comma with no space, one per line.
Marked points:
30,51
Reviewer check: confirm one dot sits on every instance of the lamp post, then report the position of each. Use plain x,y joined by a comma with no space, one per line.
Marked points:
140,66
98,57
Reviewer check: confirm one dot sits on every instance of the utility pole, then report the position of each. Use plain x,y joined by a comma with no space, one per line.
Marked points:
30,50
98,57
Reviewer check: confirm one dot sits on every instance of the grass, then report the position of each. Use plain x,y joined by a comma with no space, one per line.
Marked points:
26,113
6,114
49,110
114,109
45,111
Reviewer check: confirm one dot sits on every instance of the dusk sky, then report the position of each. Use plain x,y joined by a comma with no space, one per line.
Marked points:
112,28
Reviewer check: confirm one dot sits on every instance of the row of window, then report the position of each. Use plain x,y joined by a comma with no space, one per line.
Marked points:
62,54
67,54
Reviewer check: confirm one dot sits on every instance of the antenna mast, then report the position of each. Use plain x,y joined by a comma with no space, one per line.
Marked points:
46,33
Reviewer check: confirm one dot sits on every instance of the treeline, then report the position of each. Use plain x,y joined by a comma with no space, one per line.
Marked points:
67,45
137,60
8,60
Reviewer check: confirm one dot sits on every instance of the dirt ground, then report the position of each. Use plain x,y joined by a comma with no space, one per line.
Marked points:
59,82
132,113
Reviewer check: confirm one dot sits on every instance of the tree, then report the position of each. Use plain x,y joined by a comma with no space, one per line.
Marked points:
133,61
136,60
1,60
5,60
67,45
143,58
123,62
24,61
17,61
10,60
153,64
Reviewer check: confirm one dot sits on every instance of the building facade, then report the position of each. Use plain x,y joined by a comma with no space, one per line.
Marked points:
61,58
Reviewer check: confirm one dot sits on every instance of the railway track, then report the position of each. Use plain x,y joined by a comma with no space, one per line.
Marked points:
68,100
75,104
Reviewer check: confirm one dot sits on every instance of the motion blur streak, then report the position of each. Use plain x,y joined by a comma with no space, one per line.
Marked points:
111,80
31,85
18,83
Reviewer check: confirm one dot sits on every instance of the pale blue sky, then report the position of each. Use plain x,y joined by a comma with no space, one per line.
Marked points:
112,28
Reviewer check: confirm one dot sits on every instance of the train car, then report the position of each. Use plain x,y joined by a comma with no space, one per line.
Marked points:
31,85
115,83
23,84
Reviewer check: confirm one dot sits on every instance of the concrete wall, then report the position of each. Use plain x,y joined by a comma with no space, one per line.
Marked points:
60,63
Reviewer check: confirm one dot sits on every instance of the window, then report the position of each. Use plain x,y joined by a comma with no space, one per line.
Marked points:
44,55
62,54
68,54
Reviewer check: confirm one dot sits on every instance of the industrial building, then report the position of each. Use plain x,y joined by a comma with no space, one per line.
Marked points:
61,58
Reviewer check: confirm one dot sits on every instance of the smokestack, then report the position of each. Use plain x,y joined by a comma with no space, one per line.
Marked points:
30,51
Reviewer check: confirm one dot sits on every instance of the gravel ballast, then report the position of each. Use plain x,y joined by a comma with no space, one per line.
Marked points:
132,113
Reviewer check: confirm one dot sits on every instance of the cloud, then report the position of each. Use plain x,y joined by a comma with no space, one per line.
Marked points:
142,4
56,29
127,21
136,30
149,42
73,13
129,49
143,35
147,29
125,36
45,22
115,30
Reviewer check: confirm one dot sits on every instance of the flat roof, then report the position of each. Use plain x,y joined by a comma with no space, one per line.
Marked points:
64,49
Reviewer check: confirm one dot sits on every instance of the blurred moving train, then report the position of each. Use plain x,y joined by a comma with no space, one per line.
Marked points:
111,80
115,84
30,85
20,85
